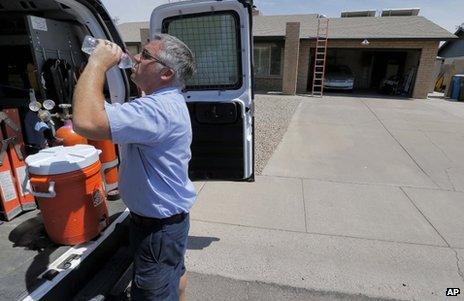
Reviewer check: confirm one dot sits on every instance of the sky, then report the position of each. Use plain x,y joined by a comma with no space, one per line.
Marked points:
446,13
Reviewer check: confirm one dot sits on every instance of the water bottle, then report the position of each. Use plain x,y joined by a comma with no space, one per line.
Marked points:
89,44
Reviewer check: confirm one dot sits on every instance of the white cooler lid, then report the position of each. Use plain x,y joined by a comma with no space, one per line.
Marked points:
62,159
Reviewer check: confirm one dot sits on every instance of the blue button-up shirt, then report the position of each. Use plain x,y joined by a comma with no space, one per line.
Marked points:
155,134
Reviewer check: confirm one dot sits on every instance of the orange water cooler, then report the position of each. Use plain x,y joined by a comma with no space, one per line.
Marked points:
70,191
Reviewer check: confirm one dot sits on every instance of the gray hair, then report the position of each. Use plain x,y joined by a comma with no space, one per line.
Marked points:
177,56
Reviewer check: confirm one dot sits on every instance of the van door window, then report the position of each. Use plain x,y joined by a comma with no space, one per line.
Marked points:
215,42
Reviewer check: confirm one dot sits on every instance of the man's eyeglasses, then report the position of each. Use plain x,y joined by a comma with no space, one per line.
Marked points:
146,55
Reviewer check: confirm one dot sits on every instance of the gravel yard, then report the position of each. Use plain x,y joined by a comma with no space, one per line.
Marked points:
272,116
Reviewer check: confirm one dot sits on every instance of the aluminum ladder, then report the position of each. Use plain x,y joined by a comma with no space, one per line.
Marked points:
320,56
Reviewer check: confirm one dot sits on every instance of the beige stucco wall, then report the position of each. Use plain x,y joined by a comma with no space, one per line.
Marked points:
144,36
291,57
425,79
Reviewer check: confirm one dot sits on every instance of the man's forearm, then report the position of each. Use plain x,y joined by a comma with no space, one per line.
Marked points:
89,116
88,96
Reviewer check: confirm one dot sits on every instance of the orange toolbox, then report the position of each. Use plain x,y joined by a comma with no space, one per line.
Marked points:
16,152
70,192
10,205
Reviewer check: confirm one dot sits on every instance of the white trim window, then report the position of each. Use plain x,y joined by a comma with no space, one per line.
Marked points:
267,60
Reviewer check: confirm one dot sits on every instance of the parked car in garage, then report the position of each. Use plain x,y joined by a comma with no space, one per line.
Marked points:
338,77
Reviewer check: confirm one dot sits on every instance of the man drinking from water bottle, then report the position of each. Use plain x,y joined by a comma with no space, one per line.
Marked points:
155,134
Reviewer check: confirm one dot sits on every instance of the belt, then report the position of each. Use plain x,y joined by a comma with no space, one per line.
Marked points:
145,221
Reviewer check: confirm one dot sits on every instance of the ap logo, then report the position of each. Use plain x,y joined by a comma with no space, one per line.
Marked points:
453,291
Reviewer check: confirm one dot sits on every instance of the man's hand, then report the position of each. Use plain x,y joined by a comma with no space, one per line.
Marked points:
89,115
106,55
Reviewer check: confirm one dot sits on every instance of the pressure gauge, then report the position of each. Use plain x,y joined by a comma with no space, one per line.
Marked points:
48,104
35,106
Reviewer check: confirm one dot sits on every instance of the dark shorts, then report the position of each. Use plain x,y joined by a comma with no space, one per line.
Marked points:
159,252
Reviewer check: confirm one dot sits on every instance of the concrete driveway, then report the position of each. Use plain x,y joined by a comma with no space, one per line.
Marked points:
363,199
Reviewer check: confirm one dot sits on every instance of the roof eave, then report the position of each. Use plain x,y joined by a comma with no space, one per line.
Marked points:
394,38
269,37
369,38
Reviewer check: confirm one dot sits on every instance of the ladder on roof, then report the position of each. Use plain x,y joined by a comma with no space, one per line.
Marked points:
320,56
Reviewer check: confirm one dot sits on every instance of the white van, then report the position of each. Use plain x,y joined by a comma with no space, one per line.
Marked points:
35,34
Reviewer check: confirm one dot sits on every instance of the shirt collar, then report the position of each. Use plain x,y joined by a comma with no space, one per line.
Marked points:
166,90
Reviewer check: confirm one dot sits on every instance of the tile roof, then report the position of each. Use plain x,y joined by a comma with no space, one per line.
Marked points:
416,27
409,27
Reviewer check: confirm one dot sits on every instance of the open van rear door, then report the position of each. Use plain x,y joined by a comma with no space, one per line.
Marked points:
219,96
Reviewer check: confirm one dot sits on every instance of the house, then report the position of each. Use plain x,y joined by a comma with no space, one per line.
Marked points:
450,61
453,48
397,43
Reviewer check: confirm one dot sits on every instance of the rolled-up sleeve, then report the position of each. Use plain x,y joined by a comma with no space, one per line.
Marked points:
140,121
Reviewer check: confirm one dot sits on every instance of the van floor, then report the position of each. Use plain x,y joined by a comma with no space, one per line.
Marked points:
26,252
